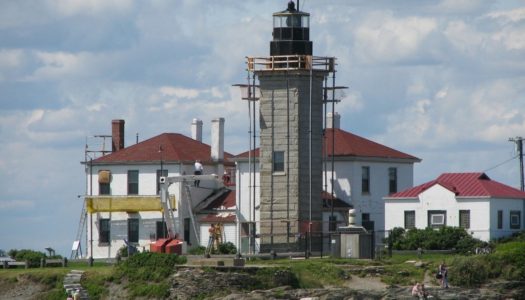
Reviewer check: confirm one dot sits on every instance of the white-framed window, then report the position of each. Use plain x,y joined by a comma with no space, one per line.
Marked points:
410,219
133,182
515,219
464,219
437,218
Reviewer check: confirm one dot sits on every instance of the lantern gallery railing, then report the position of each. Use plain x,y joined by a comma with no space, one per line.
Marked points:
291,62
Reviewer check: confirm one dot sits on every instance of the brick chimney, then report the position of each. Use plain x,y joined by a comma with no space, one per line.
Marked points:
335,118
196,130
117,135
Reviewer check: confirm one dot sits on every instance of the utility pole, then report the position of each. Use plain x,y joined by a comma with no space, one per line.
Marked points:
519,146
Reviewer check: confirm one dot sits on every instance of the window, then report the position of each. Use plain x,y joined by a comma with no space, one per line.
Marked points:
278,161
410,219
515,219
133,230
162,230
437,218
133,182
365,180
160,173
392,180
104,180
500,219
464,219
103,189
104,231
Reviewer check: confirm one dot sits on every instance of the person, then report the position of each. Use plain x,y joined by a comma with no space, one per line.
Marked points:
443,271
418,290
198,171
69,296
226,178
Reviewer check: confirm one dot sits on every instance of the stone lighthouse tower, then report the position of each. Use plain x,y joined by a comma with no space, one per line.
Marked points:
291,127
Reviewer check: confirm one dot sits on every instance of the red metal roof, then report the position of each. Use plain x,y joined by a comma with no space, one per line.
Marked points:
465,185
349,144
175,147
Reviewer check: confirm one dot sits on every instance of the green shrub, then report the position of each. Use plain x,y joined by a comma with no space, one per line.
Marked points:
123,251
445,238
32,256
469,271
200,250
511,255
227,248
149,266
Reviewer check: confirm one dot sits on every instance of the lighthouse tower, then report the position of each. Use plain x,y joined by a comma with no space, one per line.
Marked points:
291,128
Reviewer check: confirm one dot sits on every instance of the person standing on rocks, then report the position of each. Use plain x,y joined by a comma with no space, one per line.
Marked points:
443,271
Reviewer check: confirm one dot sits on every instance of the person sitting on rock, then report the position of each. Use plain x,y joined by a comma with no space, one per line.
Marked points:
418,290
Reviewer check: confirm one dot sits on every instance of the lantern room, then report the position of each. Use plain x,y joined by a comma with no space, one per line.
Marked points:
291,32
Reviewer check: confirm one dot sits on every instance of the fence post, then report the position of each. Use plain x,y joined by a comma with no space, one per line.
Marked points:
42,262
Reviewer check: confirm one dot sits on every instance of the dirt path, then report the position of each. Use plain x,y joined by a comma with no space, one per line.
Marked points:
367,283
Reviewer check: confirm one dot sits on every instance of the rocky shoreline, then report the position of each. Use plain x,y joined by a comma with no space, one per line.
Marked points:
191,283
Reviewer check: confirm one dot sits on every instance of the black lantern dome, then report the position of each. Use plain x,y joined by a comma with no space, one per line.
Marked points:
291,32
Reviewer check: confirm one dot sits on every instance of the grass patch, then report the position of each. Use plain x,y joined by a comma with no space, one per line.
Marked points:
150,290
95,281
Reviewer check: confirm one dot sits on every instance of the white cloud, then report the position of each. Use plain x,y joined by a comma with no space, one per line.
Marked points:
63,66
75,7
178,92
384,38
513,15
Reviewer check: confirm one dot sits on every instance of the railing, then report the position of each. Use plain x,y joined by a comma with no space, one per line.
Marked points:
291,62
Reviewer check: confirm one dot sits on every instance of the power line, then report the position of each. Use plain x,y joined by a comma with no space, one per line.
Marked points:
500,164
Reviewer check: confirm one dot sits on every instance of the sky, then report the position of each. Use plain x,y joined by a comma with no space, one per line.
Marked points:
440,80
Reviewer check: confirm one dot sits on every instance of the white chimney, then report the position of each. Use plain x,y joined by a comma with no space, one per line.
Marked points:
196,130
333,121
217,140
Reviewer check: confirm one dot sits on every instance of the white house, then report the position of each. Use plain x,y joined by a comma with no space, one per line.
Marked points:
363,171
486,208
122,190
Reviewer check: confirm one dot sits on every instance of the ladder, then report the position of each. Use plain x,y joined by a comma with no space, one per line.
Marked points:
81,226
169,217
190,208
